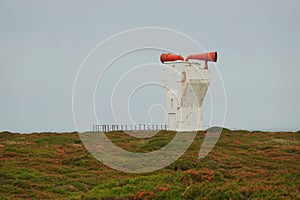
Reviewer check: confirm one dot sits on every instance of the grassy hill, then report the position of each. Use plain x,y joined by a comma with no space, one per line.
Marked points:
243,165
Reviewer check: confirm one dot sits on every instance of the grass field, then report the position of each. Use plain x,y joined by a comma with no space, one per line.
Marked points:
242,165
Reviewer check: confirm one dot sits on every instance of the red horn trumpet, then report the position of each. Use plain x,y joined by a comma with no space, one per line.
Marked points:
166,57
210,56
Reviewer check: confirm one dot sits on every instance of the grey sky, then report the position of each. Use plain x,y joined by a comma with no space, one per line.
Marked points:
44,42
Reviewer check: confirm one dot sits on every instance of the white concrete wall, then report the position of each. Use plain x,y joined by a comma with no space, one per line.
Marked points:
186,85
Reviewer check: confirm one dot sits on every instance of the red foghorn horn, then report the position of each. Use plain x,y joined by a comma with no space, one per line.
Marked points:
210,56
166,57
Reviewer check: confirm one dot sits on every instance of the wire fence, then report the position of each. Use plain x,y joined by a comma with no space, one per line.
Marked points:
136,127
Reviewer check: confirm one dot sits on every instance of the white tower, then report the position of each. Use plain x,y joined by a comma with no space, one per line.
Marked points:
186,85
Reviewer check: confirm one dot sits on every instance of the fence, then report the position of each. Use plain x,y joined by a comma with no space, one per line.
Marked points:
137,127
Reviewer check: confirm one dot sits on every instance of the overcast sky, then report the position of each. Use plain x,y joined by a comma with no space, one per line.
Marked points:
43,43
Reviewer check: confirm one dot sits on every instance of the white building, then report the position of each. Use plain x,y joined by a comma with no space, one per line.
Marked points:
186,85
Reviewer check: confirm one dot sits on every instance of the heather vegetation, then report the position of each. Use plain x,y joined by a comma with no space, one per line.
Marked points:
242,165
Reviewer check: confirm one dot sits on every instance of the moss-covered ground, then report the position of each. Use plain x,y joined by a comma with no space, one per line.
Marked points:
242,165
